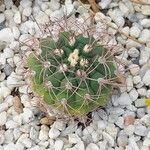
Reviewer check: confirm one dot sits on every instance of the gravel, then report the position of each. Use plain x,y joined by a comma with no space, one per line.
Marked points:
125,121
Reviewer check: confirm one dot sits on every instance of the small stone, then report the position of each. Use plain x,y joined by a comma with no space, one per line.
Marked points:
92,146
145,120
120,122
104,3
27,115
73,138
17,104
140,130
2,17
42,18
136,79
129,130
10,124
58,145
5,91
8,69
142,91
124,99
27,11
145,22
146,142
145,36
3,106
3,119
6,35
133,52
112,130
43,135
17,17
2,138
140,112
25,3
140,102
27,142
134,69
10,146
69,7
47,121
124,8
129,83
146,78
96,137
80,146
108,138
54,5
133,144
135,31
133,94
145,10
129,120
56,15
16,32
34,133
122,140
59,124
54,133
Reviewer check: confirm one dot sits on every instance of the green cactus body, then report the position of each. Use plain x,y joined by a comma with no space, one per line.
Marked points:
72,74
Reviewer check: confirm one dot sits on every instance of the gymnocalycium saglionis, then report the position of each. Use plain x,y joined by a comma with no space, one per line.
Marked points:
72,75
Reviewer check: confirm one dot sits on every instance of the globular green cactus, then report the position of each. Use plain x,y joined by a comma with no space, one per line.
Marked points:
73,74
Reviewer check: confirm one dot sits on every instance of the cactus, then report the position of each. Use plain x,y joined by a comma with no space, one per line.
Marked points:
73,74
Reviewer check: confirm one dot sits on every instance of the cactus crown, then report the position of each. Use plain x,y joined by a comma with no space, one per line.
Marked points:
72,74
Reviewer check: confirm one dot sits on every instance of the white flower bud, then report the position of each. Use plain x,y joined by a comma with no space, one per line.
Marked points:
87,48
73,58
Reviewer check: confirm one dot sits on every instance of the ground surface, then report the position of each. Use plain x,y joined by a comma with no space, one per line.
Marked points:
123,125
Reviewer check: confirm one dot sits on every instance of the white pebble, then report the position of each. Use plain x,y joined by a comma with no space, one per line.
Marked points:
133,52
140,130
145,35
27,11
5,91
104,3
16,32
54,133
6,35
3,116
134,69
10,146
26,3
2,18
43,135
145,9
10,124
124,99
135,31
8,53
59,124
58,145
73,138
145,23
3,106
142,91
146,78
27,115
92,146
140,103
17,17
109,139
133,94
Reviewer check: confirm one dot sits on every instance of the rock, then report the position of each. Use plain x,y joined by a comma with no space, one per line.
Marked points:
58,145
92,146
104,3
2,18
140,102
8,53
2,138
6,35
103,145
4,91
56,15
8,136
3,118
142,91
129,120
27,11
26,3
145,120
54,5
145,10
59,124
27,142
16,32
122,140
136,79
146,78
8,69
144,56
140,112
69,7
124,8
88,130
96,137
120,122
17,17
133,94
8,4
112,130
3,106
2,45
47,121
73,138
16,133
20,146
124,99
10,124
27,115
145,22
34,133
43,135
10,146
135,31
108,138
54,133
133,144
42,18
134,69
129,130
140,130
35,148
146,142
80,146
133,52
145,35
